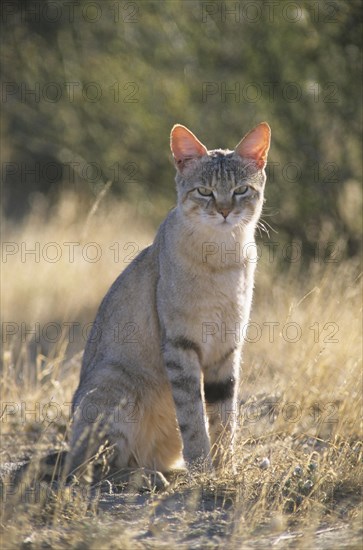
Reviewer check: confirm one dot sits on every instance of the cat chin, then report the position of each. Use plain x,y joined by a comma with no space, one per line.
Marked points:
225,225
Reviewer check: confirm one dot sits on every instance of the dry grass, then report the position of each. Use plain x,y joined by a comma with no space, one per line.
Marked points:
298,465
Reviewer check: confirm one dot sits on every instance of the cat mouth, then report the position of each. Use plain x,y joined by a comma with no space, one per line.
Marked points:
221,222
227,223
230,219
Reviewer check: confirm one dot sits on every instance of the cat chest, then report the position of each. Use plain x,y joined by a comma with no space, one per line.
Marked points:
216,322
207,309
217,311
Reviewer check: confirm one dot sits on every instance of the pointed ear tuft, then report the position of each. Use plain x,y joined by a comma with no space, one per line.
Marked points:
184,145
255,145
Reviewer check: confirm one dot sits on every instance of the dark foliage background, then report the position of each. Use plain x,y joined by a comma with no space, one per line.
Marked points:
90,91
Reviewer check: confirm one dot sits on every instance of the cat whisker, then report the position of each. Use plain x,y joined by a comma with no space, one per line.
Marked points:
270,212
262,226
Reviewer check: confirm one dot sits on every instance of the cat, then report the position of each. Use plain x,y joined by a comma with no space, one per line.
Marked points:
160,371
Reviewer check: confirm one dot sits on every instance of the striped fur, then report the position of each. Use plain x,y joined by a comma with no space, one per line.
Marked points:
170,392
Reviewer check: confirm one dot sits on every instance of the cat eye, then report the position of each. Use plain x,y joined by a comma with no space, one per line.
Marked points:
241,190
205,192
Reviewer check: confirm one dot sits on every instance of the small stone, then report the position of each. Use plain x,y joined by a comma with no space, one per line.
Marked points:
298,472
265,463
308,485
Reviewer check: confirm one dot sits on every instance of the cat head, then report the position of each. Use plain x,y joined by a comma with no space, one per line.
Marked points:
221,188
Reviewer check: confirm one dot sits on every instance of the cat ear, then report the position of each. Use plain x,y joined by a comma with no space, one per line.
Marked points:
255,144
184,145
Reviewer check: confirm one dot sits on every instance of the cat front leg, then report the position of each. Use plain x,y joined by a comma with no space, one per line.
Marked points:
220,392
184,373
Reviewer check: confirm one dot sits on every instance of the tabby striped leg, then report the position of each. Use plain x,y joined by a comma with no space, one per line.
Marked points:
220,393
184,372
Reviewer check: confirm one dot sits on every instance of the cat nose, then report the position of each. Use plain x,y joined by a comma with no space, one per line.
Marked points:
224,212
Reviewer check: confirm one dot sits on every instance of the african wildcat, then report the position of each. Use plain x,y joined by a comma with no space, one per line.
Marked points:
161,366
